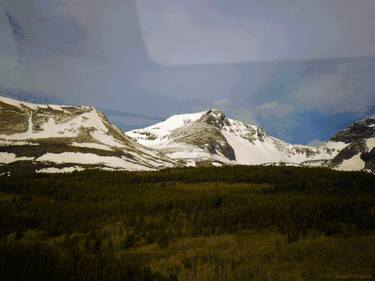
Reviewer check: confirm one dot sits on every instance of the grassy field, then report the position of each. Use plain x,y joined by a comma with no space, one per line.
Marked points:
230,223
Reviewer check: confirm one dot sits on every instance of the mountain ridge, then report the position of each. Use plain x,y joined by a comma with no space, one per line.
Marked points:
63,138
58,135
244,143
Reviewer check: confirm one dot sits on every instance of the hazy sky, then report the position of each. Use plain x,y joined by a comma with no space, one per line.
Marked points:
302,69
223,31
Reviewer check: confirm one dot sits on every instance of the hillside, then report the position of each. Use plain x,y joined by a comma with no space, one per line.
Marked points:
66,138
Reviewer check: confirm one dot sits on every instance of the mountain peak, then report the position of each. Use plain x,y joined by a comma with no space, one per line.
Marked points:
215,117
363,129
217,112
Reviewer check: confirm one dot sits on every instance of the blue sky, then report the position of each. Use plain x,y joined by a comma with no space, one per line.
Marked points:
301,69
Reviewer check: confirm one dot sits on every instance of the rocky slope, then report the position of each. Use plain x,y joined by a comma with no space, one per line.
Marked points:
52,138
359,152
212,138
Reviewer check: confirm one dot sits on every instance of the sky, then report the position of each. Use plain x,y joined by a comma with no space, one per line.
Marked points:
301,69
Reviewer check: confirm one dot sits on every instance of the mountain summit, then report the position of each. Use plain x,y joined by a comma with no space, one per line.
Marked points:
211,137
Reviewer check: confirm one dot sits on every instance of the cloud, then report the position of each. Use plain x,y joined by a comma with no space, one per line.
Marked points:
222,103
336,93
199,32
315,143
191,32
245,115
273,109
204,83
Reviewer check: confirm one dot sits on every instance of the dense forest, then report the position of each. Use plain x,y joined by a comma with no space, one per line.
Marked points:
229,223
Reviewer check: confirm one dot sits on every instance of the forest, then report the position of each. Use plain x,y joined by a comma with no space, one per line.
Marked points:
209,223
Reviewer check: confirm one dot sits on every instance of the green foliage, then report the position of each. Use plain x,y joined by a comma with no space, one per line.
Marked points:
128,226
20,260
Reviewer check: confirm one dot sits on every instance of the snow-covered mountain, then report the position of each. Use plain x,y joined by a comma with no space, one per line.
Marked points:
57,138
359,151
211,138
66,138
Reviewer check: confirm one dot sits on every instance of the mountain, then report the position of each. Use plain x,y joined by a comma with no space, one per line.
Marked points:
359,152
55,138
60,138
211,138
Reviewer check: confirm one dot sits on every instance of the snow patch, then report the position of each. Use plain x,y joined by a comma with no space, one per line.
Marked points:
370,143
16,143
353,164
6,158
155,134
34,106
53,170
91,159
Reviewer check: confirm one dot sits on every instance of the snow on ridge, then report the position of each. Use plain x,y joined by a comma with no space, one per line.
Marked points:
253,146
250,143
69,129
88,118
172,123
78,126
7,158
35,106
91,159
156,135
4,142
